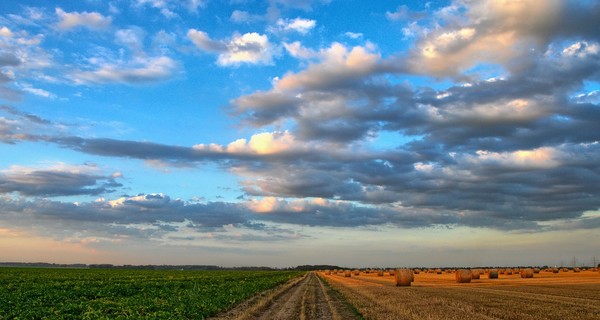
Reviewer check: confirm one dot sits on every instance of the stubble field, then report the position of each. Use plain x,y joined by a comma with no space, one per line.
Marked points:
564,295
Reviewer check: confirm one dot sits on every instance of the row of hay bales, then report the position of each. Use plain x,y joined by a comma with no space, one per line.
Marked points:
466,275
461,275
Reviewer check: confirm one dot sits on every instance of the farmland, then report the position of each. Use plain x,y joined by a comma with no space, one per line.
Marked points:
36,293
565,295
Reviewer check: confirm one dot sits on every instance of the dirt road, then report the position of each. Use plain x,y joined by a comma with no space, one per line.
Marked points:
305,298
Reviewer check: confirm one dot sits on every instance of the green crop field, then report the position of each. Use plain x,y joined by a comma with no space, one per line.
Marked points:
43,293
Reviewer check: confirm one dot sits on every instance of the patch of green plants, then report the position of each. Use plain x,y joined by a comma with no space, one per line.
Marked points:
44,293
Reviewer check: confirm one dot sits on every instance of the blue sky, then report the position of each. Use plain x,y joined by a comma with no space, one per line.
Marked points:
287,132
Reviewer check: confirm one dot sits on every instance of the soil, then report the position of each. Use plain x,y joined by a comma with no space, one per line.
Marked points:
306,298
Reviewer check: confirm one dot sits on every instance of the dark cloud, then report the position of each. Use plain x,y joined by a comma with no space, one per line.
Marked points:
8,59
55,182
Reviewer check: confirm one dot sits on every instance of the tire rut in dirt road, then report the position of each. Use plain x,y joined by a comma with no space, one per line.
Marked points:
308,298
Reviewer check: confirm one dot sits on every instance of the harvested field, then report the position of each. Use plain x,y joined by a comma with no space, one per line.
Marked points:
438,296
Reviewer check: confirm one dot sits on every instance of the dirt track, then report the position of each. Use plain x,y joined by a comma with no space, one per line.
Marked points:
307,298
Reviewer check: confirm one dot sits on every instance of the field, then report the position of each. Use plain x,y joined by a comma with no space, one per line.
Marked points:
44,293
564,295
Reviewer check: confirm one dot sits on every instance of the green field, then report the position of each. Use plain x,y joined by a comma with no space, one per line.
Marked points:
43,293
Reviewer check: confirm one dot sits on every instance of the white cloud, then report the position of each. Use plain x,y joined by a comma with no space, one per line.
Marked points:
401,13
168,7
540,158
90,20
204,42
132,38
497,32
141,70
581,49
251,48
338,62
240,16
296,50
302,26
353,35
265,143
38,92
5,32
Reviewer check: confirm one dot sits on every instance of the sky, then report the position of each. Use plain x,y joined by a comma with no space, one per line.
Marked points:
289,132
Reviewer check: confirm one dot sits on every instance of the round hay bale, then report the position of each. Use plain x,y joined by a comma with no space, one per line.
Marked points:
463,276
438,271
403,277
347,274
527,273
416,271
576,270
536,270
508,272
327,272
554,270
380,273
493,274
357,272
475,274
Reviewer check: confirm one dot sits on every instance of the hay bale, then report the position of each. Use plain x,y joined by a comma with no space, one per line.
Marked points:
403,277
536,270
463,276
347,273
576,270
392,272
438,271
508,272
327,272
416,271
475,274
527,273
554,270
357,272
380,273
493,274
